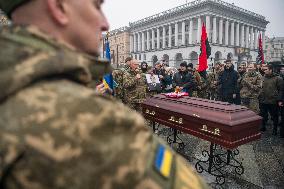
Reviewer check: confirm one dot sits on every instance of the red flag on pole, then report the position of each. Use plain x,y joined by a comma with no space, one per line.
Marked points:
205,51
260,57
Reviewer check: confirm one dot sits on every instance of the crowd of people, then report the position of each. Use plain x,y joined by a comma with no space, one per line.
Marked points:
257,87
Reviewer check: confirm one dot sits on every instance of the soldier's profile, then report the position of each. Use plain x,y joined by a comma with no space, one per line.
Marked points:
56,133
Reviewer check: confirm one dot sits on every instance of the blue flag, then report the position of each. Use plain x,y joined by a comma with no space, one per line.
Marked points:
108,79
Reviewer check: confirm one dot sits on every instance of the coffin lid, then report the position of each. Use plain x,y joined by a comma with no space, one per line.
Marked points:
216,111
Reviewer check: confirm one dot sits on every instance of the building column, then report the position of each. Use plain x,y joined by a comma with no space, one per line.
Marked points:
148,40
158,38
176,34
233,34
183,33
135,44
243,35
238,35
131,43
190,31
153,38
199,30
139,41
164,37
247,37
221,31
255,38
251,38
208,27
214,37
143,41
170,36
263,40
227,32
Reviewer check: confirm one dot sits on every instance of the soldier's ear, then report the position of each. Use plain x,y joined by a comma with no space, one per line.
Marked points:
57,9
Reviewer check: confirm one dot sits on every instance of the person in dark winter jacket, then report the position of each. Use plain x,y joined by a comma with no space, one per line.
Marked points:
269,97
144,67
228,82
183,79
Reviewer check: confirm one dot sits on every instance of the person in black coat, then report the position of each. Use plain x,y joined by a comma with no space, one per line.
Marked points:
228,82
183,79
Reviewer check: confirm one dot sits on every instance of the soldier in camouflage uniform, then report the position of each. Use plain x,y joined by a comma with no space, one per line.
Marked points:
213,80
250,88
134,84
55,133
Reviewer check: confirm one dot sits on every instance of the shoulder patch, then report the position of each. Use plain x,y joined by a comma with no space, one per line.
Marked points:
163,161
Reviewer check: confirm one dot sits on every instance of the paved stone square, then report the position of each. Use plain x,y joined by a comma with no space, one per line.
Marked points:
263,161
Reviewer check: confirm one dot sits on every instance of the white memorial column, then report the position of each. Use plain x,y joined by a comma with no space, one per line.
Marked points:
214,37
170,36
243,35
263,40
232,33
148,40
238,34
153,38
143,41
190,29
158,37
221,31
208,27
183,33
164,37
199,27
227,32
251,38
135,44
255,38
247,36
176,34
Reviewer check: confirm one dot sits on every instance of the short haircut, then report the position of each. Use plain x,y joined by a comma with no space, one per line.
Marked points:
128,59
190,65
183,64
270,66
228,61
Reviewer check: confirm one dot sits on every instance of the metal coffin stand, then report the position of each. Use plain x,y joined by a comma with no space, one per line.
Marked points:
225,125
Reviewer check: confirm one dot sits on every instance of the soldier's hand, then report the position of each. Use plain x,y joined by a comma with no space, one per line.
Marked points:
234,96
138,76
161,77
280,104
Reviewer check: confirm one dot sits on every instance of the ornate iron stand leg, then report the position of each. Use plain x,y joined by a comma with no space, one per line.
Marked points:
216,162
173,138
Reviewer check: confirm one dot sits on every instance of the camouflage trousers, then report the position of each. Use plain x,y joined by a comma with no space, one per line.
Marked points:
251,103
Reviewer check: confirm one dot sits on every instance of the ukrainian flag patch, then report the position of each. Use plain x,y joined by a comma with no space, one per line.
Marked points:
163,161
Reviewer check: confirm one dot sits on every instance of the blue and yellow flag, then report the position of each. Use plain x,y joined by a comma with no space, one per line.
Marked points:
108,79
163,161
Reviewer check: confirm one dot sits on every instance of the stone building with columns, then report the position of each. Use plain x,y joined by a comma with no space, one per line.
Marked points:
119,44
174,35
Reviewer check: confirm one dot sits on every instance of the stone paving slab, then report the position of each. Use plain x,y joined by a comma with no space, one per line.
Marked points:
263,161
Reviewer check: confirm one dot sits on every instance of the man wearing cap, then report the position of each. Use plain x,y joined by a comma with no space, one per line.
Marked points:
54,131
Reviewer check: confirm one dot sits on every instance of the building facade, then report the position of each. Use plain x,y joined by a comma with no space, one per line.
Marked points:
119,41
274,49
174,35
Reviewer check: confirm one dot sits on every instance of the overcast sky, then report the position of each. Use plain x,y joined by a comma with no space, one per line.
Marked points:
121,12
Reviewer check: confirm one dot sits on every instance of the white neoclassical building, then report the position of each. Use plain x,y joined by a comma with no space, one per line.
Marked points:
174,35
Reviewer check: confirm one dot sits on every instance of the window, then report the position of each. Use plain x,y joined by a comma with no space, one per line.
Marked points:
281,46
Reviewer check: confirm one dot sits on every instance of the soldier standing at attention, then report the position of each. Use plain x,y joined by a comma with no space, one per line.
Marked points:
55,133
250,88
269,97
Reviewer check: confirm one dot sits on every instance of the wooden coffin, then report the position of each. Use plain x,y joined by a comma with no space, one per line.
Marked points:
218,122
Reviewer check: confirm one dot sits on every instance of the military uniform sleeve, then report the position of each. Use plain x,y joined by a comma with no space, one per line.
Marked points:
128,80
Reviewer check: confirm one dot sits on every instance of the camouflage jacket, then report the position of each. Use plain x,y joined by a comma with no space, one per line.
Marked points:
134,89
57,133
250,85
